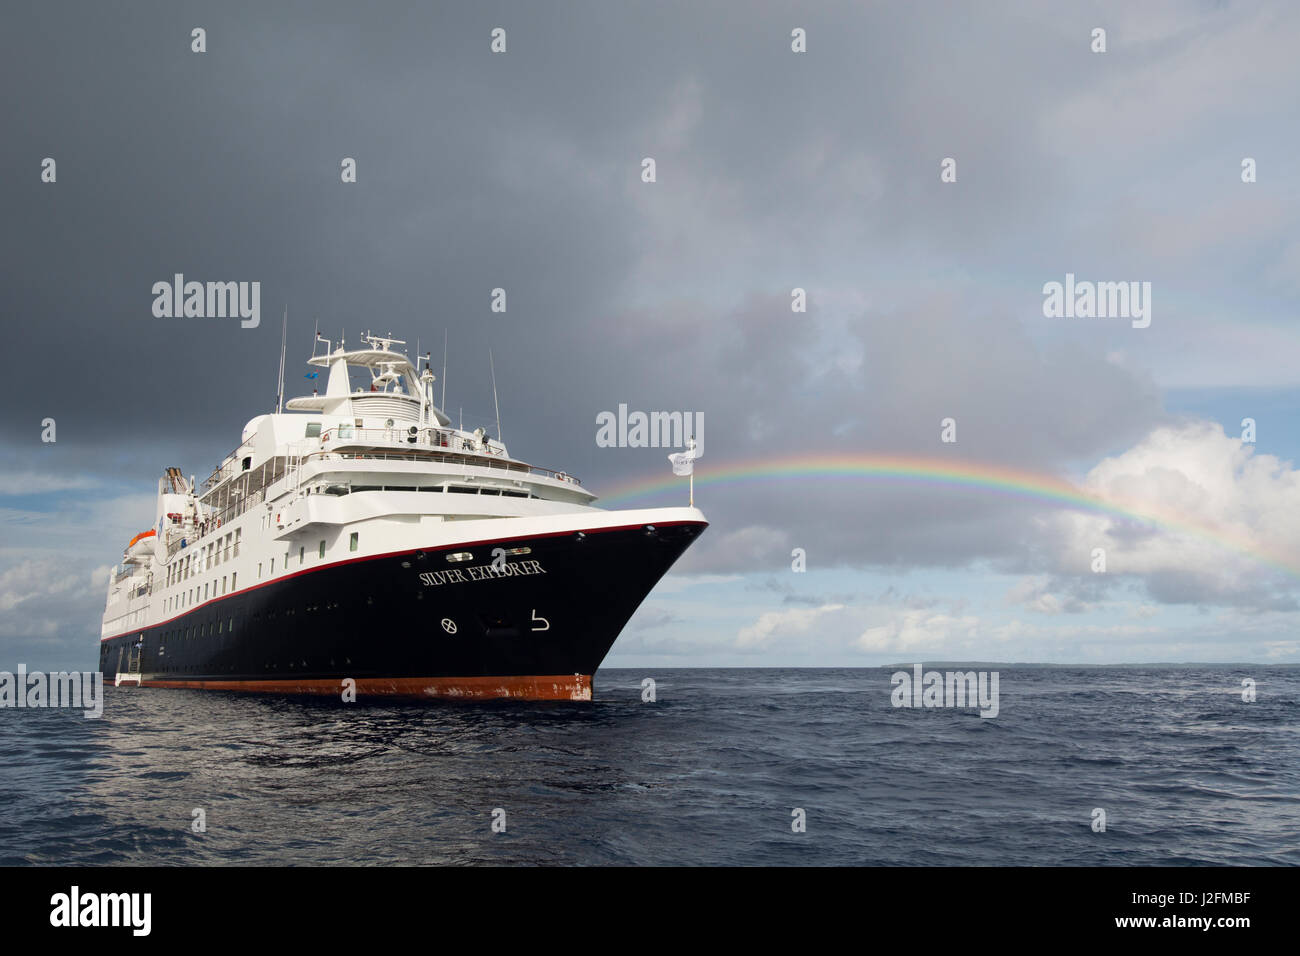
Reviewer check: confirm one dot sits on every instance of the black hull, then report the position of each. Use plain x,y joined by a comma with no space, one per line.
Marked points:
413,623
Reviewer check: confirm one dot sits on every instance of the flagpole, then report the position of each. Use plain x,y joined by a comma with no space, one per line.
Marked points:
686,460
692,481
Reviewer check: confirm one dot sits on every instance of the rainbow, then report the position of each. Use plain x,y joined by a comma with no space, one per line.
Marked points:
975,476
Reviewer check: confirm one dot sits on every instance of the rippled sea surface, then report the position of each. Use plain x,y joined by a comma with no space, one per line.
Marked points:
709,773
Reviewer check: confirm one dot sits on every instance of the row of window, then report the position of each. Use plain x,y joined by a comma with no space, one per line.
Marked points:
212,628
204,559
216,627
454,489
354,542
192,596
223,626
206,629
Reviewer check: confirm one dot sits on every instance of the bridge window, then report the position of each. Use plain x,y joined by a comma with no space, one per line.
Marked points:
313,430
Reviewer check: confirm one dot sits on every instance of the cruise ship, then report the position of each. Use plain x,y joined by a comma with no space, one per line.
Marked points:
356,542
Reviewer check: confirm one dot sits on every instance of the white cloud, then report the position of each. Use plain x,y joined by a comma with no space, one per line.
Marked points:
919,631
772,625
677,583
34,579
41,483
1228,508
1034,593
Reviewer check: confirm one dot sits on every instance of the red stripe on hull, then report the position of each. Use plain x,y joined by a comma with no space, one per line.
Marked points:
545,687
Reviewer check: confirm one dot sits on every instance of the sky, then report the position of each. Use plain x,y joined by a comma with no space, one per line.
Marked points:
775,170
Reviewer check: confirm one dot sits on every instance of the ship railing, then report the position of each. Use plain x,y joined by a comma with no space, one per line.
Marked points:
180,539
423,436
230,466
444,442
213,523
509,466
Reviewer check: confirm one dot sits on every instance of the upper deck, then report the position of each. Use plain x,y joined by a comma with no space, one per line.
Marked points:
388,435
395,388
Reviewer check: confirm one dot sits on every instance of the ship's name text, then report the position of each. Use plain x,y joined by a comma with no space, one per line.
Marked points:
480,572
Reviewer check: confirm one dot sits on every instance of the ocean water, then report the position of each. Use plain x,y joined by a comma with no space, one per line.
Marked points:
709,773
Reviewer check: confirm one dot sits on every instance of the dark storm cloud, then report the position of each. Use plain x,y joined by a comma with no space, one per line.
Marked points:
475,171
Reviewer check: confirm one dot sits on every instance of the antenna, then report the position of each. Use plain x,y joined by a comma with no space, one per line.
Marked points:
284,331
494,393
329,345
443,403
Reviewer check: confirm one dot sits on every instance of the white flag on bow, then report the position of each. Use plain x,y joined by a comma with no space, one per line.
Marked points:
684,461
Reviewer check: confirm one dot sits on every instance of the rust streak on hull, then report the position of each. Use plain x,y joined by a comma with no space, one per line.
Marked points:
543,687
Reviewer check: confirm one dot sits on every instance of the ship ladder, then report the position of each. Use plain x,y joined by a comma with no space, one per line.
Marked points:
132,673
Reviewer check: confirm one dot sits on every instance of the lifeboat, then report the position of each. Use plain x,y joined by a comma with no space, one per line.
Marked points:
140,548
